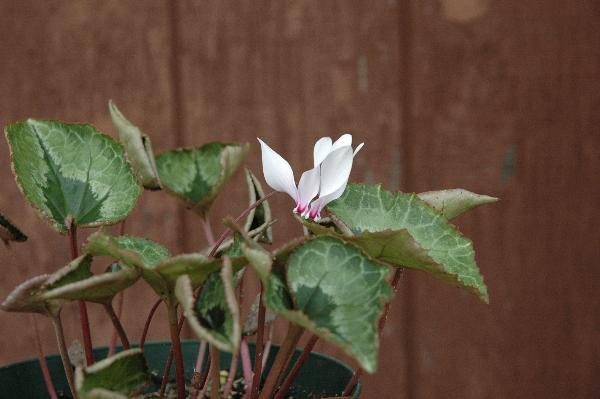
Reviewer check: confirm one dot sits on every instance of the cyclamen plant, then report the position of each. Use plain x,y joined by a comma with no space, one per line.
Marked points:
334,283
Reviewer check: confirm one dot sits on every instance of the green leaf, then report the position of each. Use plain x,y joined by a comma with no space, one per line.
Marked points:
138,148
339,294
10,232
259,217
77,270
402,230
72,172
453,202
125,373
196,176
214,315
151,259
99,288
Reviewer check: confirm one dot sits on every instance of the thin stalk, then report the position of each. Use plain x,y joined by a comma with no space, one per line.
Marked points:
176,346
198,367
242,215
42,360
83,314
285,387
281,361
64,355
215,373
358,373
259,346
246,365
148,321
120,300
268,345
167,370
118,326
203,379
113,338
208,232
235,359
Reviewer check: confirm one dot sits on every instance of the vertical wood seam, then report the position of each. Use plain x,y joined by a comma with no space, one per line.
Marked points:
406,125
177,112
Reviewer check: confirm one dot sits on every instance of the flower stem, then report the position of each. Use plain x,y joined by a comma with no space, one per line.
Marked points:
176,347
203,378
83,314
215,372
208,232
242,215
235,358
113,338
42,360
64,355
148,321
285,387
118,327
198,368
260,332
246,365
357,374
281,361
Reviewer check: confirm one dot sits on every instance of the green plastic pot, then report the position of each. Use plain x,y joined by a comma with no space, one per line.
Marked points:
321,375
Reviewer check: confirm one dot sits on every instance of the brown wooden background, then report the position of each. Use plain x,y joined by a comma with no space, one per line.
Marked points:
499,97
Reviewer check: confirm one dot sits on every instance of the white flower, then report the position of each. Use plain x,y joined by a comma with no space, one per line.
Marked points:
327,179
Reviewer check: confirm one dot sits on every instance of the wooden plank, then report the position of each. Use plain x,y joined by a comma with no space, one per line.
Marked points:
505,103
290,72
64,60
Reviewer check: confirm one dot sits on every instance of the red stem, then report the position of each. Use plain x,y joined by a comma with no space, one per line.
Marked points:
227,231
259,345
42,359
357,374
167,370
215,372
113,337
83,314
299,363
176,346
148,321
246,365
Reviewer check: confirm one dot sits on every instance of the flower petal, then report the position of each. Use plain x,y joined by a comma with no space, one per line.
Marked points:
317,206
277,171
360,146
322,149
343,141
335,170
308,188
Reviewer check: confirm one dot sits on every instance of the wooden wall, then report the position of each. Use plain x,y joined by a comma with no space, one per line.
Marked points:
499,97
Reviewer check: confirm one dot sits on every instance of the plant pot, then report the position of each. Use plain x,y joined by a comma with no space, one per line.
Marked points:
321,375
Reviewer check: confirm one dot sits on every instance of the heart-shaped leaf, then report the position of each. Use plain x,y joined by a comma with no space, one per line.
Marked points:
151,259
99,288
125,373
214,314
196,176
453,202
403,230
338,293
10,232
259,217
27,297
72,172
138,148
30,295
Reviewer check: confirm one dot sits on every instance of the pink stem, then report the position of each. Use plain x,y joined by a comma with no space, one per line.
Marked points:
246,364
198,367
113,338
227,231
42,359
232,372
148,320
